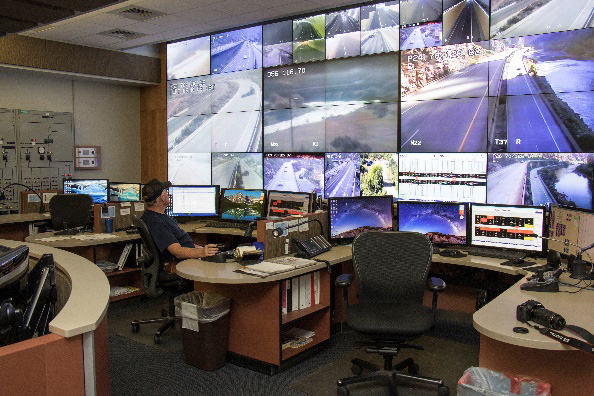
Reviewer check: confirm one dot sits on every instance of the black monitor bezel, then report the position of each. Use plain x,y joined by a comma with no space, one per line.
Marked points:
109,183
544,227
91,179
311,195
217,201
466,209
264,207
346,240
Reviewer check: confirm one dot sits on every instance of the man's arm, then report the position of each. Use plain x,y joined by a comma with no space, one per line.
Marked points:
180,252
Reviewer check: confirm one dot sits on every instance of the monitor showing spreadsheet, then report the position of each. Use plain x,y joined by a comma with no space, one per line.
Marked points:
198,201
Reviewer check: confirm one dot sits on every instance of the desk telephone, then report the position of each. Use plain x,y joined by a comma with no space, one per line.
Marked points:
311,247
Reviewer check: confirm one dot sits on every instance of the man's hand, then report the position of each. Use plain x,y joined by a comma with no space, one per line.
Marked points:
209,250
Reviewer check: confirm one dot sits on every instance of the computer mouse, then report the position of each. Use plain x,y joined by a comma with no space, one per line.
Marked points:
518,261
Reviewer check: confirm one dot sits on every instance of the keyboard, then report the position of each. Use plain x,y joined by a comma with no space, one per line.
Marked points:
496,253
227,224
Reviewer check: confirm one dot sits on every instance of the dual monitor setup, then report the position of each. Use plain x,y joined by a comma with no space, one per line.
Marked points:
103,190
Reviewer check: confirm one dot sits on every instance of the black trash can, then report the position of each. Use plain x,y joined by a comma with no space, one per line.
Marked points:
205,328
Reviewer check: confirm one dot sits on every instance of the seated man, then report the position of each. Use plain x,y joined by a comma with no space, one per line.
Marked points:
171,240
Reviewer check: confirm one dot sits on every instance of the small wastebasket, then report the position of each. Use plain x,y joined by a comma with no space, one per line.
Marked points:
478,381
205,328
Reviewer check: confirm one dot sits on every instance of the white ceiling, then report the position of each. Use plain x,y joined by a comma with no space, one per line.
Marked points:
183,18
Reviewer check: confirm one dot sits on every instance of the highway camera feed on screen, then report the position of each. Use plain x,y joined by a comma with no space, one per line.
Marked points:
236,50
237,170
546,81
188,168
343,34
309,43
465,21
277,43
512,18
294,172
458,76
541,179
415,11
420,35
124,192
453,177
341,175
188,58
379,174
443,223
380,28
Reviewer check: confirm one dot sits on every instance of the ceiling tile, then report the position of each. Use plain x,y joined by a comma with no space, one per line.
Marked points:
172,6
146,28
206,13
109,20
96,40
238,7
302,7
173,21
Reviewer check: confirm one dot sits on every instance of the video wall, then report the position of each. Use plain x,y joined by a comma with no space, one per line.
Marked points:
425,100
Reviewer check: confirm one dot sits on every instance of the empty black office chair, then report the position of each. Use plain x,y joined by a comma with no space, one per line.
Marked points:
391,270
156,281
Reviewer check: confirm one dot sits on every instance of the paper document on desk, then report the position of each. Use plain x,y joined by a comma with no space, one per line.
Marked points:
268,267
54,239
86,237
295,262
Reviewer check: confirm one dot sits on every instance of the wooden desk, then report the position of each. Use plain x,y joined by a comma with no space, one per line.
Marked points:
15,227
256,320
108,249
570,372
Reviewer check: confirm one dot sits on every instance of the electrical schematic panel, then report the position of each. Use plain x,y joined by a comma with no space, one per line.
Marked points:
8,163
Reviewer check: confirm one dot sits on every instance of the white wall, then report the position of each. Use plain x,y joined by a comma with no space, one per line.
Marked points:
105,114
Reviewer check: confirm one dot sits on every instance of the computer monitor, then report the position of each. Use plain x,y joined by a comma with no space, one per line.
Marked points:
242,205
196,201
287,203
352,216
443,223
508,227
14,264
124,192
96,188
569,228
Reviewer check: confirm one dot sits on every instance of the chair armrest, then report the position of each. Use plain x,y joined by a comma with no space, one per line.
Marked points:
344,280
436,285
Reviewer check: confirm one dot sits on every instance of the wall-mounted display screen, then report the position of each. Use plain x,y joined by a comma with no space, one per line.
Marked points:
465,21
420,35
508,227
309,39
350,217
379,174
454,177
237,170
96,188
188,58
188,168
541,179
512,18
277,40
236,50
415,11
342,175
343,33
443,223
294,172
380,28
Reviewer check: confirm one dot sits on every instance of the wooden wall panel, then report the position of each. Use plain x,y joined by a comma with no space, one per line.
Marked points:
153,127
53,55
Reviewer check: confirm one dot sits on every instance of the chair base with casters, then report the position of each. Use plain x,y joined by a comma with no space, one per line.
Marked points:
167,319
389,371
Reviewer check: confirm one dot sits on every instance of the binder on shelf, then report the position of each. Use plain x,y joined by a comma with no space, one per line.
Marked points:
317,287
124,256
312,291
284,296
305,291
295,294
288,295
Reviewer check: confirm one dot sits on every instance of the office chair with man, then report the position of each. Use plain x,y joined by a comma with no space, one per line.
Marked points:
391,270
156,281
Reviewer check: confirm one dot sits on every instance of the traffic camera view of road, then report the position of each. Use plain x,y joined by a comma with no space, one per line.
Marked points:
465,21
540,179
421,36
556,64
188,58
526,17
236,50
277,43
343,36
415,11
458,73
341,175
237,170
379,28
188,168
294,172
309,39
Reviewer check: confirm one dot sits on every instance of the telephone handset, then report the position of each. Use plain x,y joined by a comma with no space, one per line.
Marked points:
311,247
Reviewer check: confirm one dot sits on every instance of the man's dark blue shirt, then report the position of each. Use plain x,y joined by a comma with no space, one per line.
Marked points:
165,231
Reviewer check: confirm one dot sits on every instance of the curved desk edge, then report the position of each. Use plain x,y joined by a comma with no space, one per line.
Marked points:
24,218
497,319
89,297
